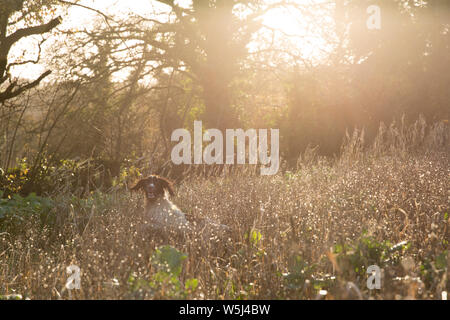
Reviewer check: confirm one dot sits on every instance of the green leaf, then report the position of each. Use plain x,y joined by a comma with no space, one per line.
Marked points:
191,284
256,237
441,261
168,259
338,248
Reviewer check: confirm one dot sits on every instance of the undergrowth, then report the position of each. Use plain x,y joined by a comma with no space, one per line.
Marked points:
307,233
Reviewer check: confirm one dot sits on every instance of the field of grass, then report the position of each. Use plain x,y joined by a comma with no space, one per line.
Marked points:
305,233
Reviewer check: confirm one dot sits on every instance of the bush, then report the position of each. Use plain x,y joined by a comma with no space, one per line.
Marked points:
16,211
164,283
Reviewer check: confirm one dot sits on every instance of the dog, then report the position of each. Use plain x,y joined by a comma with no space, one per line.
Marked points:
163,215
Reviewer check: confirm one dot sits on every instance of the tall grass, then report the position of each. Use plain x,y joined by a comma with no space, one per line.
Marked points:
314,228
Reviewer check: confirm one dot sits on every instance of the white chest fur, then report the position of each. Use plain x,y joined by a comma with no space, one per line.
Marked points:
163,214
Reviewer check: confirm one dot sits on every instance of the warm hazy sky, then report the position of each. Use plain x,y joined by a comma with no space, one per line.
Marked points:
288,22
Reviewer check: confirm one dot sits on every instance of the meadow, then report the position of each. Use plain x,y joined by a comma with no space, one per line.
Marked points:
308,232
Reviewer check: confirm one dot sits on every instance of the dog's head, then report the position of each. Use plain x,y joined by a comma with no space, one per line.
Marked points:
154,186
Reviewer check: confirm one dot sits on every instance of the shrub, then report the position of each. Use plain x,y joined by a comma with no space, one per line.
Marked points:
16,211
164,283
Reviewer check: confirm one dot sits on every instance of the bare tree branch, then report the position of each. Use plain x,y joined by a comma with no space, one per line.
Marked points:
26,32
10,93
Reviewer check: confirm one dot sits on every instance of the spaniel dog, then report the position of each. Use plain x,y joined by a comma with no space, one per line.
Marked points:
165,216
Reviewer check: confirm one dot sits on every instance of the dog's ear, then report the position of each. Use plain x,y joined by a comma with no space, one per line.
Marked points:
139,185
166,184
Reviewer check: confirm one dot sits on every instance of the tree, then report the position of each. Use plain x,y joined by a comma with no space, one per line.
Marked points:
192,55
14,13
402,61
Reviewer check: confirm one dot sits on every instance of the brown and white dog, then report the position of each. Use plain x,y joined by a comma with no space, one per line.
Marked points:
163,215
